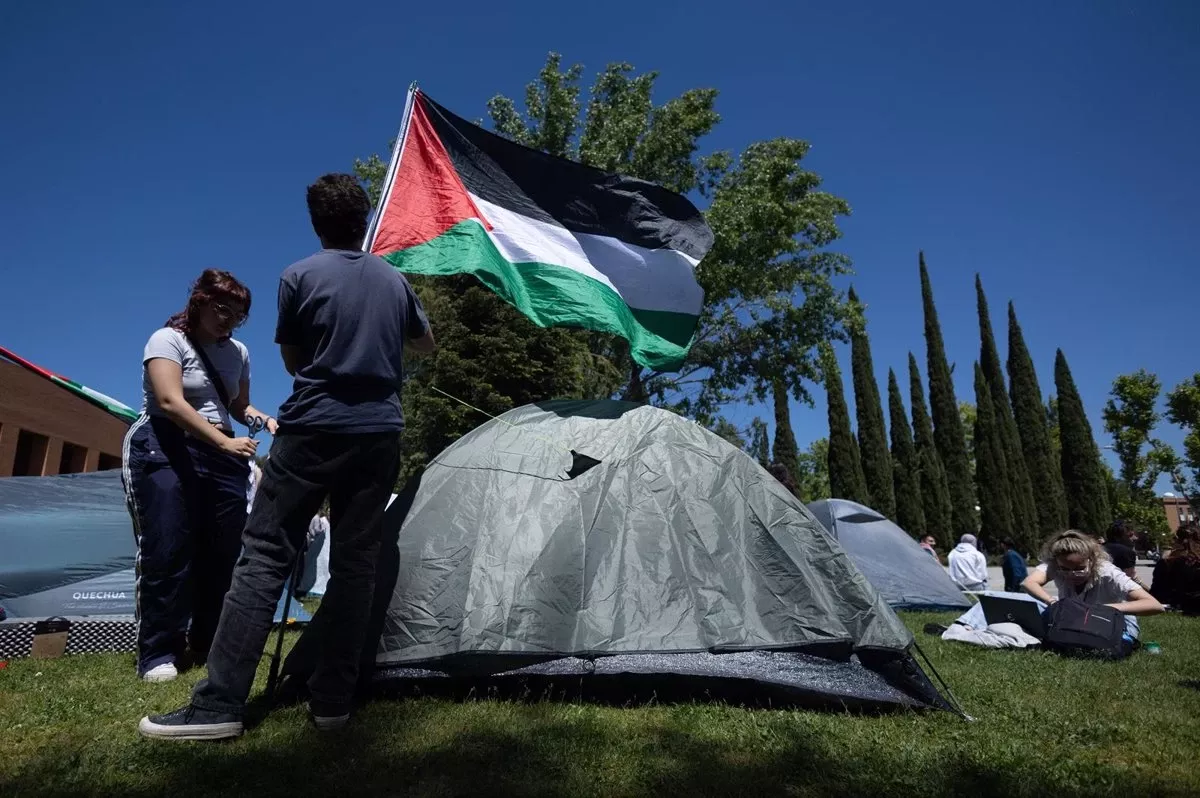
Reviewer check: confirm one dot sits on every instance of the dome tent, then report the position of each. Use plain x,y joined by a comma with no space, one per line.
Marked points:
674,556
895,564
69,550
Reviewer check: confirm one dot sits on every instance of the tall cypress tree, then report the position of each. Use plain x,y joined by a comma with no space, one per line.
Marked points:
906,470
786,453
991,473
872,434
1018,488
1034,431
947,424
935,496
845,469
1083,478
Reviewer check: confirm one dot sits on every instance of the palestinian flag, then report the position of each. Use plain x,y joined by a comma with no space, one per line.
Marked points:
566,244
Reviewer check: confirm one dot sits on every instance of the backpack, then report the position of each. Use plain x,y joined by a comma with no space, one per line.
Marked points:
1076,629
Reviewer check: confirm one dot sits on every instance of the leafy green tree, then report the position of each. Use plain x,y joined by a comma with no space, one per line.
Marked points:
906,469
947,424
784,451
760,444
845,468
769,297
1019,489
935,496
814,472
872,432
726,429
1083,477
1183,409
1033,428
991,472
1130,416
968,413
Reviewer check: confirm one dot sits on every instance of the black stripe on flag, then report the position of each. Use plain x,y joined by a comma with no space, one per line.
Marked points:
566,193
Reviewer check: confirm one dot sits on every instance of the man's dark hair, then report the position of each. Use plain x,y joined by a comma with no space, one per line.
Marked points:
1009,543
1120,531
782,475
339,208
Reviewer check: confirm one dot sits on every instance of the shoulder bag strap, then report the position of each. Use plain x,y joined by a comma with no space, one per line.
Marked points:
214,376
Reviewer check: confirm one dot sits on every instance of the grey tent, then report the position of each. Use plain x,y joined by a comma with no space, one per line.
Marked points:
67,549
895,564
673,560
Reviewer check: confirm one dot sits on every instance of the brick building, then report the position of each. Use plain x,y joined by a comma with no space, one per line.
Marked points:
48,426
1178,511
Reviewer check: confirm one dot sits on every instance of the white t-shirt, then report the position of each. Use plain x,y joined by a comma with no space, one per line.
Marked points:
230,358
1110,585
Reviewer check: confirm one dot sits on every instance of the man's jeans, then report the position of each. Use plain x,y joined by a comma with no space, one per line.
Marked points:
357,473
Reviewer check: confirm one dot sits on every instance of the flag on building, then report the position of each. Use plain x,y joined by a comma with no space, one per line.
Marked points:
566,244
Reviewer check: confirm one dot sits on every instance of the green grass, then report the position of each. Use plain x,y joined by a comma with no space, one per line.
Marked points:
1044,726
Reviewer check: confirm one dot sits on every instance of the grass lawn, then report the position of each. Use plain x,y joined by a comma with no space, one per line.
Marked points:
1044,726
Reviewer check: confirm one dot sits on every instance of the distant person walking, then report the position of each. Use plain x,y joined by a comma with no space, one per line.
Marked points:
186,474
345,320
968,566
1013,566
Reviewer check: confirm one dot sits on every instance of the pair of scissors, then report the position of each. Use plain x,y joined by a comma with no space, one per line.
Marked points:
256,424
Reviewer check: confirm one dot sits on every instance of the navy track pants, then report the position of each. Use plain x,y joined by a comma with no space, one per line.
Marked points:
187,500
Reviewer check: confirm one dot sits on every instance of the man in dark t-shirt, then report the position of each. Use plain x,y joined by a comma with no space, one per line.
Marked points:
346,319
1118,544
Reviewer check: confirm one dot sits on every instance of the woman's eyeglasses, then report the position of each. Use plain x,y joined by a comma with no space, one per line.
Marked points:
1073,571
229,314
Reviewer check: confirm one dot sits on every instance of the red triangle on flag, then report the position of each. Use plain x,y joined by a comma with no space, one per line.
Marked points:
427,196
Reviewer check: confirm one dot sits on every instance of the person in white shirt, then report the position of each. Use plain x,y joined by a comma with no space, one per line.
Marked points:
968,566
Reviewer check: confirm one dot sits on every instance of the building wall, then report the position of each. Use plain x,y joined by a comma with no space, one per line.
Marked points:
1178,512
46,430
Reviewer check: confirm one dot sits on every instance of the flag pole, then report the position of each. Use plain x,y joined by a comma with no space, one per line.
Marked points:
397,151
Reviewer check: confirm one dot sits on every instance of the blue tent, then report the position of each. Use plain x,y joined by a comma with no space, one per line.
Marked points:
67,549
896,566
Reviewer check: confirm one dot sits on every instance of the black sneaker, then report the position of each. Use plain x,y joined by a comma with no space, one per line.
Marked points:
192,723
327,716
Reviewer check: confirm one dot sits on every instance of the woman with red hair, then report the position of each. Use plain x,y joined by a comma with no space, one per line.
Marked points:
186,474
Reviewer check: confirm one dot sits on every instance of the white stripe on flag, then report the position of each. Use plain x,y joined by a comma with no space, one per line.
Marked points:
647,279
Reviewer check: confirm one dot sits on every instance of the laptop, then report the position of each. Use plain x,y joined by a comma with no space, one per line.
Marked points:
1023,612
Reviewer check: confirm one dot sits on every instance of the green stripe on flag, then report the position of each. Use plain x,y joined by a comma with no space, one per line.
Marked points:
552,296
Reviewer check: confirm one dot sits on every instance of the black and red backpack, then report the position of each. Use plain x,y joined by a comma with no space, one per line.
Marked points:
1094,631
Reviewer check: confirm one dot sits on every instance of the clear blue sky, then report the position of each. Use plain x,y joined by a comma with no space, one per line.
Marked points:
1049,146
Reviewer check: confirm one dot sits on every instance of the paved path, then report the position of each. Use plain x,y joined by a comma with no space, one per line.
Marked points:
996,576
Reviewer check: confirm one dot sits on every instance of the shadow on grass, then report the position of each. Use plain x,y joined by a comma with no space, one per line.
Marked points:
1190,684
427,748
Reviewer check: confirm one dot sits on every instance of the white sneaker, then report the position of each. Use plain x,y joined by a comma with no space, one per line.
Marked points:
161,673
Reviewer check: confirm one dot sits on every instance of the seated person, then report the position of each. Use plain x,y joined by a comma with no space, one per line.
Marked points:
1177,575
1119,545
1013,567
968,566
1081,569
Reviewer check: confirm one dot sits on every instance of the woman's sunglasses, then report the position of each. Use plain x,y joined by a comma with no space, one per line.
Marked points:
227,313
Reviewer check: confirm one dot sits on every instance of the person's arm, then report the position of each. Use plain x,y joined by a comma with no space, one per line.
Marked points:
293,358
166,380
419,332
243,411
287,329
1033,585
1139,602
